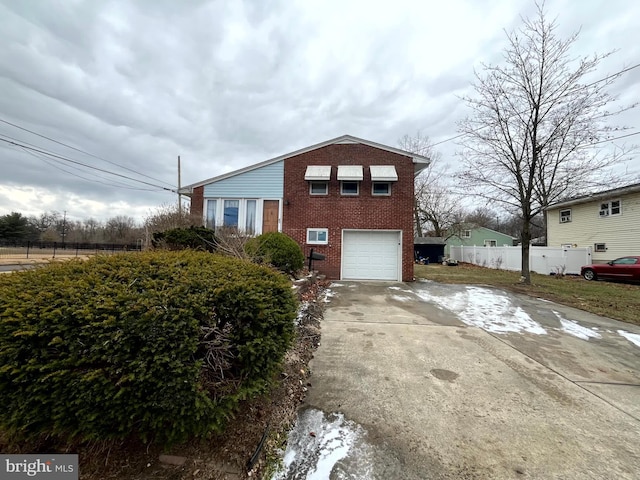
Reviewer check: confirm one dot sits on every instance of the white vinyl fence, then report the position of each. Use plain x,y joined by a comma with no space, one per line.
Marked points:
544,260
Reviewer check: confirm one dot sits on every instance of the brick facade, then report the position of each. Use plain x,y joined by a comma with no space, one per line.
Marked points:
337,212
197,202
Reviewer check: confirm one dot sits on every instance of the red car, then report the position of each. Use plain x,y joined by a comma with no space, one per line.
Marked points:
623,268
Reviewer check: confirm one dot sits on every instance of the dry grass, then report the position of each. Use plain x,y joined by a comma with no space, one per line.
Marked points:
614,300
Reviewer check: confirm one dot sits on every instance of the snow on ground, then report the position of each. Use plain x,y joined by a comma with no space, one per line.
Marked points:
334,284
319,447
632,337
401,298
490,310
327,294
574,328
400,289
302,311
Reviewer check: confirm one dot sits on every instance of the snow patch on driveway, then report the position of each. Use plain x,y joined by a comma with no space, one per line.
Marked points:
632,337
574,328
490,310
400,298
320,446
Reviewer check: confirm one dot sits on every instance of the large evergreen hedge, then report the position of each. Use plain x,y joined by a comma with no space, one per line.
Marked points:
159,345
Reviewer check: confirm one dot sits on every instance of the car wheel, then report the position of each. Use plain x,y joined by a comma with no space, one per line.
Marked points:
589,274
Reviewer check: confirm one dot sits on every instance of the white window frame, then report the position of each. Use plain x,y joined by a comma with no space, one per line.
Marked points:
566,218
607,208
348,194
318,182
242,213
600,247
465,234
373,189
317,232
490,243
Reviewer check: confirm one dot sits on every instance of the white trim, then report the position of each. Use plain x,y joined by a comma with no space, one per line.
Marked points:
420,161
400,257
318,242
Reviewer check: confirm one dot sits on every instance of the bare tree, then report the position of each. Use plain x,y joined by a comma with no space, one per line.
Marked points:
536,128
121,229
166,217
435,209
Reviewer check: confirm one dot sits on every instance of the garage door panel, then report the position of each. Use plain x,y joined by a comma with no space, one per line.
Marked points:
370,255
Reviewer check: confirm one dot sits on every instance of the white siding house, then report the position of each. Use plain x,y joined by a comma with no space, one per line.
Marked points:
608,222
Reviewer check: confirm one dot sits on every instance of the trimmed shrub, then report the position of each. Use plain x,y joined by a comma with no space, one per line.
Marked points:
195,238
158,345
279,250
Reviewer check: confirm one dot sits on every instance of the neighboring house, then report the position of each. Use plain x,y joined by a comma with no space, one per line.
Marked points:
347,198
608,222
480,237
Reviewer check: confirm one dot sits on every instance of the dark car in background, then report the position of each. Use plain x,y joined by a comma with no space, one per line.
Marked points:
623,269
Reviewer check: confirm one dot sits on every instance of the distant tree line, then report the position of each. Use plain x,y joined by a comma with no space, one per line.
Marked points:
52,226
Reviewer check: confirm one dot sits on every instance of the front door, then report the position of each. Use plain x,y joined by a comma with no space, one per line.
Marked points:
270,216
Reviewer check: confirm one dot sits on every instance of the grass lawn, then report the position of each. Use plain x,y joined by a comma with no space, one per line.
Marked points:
614,300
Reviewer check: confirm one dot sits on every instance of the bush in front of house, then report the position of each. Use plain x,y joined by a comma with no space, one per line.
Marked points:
157,345
195,238
279,250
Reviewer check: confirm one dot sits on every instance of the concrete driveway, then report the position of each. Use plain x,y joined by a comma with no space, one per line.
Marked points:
424,380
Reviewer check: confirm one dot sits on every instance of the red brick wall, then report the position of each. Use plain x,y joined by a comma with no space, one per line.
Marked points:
197,201
337,212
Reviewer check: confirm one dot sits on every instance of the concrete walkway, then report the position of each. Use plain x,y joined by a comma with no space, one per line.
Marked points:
449,381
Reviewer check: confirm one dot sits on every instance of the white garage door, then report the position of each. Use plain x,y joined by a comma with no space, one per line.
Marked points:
371,255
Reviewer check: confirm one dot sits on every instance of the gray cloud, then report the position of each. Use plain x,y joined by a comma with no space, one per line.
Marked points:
226,84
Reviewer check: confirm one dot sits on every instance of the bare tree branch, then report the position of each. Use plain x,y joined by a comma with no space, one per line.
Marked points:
536,129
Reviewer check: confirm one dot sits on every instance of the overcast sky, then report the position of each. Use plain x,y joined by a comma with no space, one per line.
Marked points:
225,84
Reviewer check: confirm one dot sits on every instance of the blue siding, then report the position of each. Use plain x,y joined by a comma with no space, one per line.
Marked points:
263,182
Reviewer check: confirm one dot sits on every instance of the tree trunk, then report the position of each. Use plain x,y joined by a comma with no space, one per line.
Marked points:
526,243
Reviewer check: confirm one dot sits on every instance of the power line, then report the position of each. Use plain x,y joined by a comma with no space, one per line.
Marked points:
625,70
58,167
66,159
81,151
614,138
113,183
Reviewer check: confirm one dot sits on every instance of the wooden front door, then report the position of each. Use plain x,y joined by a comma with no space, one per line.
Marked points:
270,216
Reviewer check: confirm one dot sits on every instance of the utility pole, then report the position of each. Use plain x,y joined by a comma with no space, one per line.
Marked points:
179,196
64,227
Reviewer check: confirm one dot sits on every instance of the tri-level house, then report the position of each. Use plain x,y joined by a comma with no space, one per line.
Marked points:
347,198
608,222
